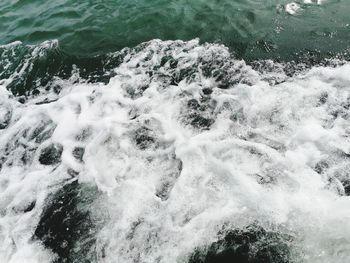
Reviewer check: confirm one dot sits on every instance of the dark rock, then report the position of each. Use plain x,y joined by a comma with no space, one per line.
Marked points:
78,153
51,154
66,226
250,245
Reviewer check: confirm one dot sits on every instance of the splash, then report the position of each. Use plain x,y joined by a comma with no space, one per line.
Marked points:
294,8
173,151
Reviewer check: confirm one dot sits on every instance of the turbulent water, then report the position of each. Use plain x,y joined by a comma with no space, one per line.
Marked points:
250,28
174,150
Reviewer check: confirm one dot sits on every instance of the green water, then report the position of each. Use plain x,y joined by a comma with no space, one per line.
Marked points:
250,28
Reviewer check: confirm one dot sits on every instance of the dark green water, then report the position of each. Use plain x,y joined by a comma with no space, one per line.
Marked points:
251,28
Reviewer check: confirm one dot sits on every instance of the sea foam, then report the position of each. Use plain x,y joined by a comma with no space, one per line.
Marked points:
182,143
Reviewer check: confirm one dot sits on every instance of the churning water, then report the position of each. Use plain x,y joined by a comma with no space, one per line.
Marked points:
173,151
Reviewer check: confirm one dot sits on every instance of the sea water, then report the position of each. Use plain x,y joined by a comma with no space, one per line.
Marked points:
173,151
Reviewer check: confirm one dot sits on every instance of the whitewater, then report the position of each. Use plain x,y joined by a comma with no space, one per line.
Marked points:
174,151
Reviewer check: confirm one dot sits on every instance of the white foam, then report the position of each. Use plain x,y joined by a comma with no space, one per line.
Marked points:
292,8
282,132
313,2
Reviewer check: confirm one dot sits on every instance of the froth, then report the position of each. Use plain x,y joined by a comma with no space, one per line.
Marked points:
183,142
